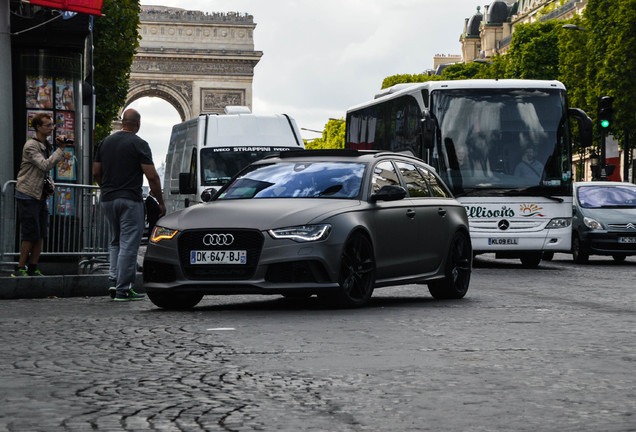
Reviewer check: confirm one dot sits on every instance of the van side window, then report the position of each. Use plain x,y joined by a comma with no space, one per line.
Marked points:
384,174
415,183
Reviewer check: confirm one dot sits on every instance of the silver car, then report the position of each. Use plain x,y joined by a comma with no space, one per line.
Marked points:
335,223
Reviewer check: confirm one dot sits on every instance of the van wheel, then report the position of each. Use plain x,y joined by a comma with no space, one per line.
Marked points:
579,254
619,258
175,300
458,270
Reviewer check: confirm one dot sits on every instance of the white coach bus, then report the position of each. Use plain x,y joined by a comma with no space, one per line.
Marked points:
504,147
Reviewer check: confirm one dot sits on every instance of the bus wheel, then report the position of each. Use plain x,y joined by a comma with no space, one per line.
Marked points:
619,258
531,259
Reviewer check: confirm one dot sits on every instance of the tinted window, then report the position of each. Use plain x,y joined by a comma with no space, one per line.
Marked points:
384,174
615,196
415,183
437,187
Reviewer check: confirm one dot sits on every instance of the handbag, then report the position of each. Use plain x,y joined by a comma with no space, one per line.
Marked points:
48,186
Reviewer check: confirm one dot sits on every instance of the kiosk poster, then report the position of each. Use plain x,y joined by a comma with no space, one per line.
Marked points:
64,201
65,124
30,115
64,96
65,169
39,92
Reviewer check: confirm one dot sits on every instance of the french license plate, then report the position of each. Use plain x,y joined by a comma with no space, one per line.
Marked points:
503,241
218,257
627,239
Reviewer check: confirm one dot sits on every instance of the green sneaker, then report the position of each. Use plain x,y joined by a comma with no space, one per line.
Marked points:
19,272
35,273
130,295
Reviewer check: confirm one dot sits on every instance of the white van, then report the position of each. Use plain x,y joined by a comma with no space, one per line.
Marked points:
207,151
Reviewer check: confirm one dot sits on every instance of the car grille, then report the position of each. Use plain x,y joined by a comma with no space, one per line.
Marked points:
248,240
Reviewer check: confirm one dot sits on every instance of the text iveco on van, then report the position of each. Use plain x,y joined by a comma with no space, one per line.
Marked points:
207,151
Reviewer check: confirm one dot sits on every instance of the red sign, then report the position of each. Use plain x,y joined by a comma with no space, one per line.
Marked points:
91,7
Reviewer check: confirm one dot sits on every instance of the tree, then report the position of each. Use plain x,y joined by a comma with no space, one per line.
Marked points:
333,136
533,52
407,78
115,40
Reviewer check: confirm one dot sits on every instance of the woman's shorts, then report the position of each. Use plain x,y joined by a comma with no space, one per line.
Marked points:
34,219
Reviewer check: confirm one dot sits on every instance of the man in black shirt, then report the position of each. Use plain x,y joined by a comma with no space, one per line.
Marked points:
121,161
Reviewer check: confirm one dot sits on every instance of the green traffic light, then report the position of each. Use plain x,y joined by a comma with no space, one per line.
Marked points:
605,123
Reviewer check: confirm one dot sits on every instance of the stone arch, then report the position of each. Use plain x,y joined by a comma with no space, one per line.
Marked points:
179,96
198,62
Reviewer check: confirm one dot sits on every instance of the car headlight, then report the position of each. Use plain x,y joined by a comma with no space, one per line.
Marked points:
559,223
305,233
592,223
162,233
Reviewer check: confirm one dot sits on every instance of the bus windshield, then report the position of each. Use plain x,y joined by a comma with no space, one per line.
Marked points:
502,140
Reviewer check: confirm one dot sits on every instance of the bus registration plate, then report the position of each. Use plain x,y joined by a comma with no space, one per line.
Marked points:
503,241
218,257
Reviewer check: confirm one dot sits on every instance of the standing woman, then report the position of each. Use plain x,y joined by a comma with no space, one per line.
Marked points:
31,195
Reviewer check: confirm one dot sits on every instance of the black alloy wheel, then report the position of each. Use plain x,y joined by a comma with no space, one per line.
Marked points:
174,300
357,272
458,270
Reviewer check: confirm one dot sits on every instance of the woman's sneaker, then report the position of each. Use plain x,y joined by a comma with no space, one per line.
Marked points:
130,295
19,272
112,292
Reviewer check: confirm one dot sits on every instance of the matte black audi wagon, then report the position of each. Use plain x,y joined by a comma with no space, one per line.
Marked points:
332,223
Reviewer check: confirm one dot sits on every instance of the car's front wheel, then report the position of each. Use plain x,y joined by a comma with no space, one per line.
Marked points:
175,300
357,272
579,253
458,270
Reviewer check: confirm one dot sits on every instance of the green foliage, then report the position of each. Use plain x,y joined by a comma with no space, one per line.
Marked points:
533,52
333,136
115,40
407,78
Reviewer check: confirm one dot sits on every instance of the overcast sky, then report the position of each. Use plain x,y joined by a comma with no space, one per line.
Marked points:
321,57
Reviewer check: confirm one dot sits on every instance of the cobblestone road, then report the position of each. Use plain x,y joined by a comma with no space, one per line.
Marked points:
552,349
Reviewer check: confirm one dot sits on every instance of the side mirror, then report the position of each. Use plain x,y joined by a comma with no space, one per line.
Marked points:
585,125
207,194
388,193
186,186
428,130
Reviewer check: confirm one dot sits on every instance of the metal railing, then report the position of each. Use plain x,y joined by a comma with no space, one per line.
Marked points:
77,226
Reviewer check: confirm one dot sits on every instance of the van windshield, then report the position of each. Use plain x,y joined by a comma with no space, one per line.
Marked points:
219,164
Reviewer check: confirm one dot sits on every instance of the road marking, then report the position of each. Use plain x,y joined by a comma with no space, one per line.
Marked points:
222,329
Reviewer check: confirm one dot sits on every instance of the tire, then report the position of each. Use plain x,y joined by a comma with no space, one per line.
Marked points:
457,272
357,273
619,258
531,259
579,254
547,256
175,300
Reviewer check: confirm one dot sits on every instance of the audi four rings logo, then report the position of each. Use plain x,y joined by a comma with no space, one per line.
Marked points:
218,239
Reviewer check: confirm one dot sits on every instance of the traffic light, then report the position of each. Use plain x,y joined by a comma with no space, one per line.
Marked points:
605,112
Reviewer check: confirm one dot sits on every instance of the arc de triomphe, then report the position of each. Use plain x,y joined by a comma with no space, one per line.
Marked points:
198,62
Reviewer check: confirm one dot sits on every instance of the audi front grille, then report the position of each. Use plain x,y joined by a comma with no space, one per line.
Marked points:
249,240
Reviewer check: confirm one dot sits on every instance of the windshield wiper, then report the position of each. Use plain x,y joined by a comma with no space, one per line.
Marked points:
329,191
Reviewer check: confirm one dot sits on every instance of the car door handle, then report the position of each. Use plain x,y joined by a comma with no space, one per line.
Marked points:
410,213
441,211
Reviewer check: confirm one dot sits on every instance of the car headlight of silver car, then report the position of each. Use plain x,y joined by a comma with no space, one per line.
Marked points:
162,233
592,223
304,233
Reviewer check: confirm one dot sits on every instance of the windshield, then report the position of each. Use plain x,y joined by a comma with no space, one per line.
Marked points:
298,180
218,165
503,139
604,196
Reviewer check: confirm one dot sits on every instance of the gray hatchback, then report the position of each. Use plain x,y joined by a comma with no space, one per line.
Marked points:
604,220
335,223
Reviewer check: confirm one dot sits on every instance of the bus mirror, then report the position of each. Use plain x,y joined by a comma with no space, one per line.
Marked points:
428,130
186,186
585,126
